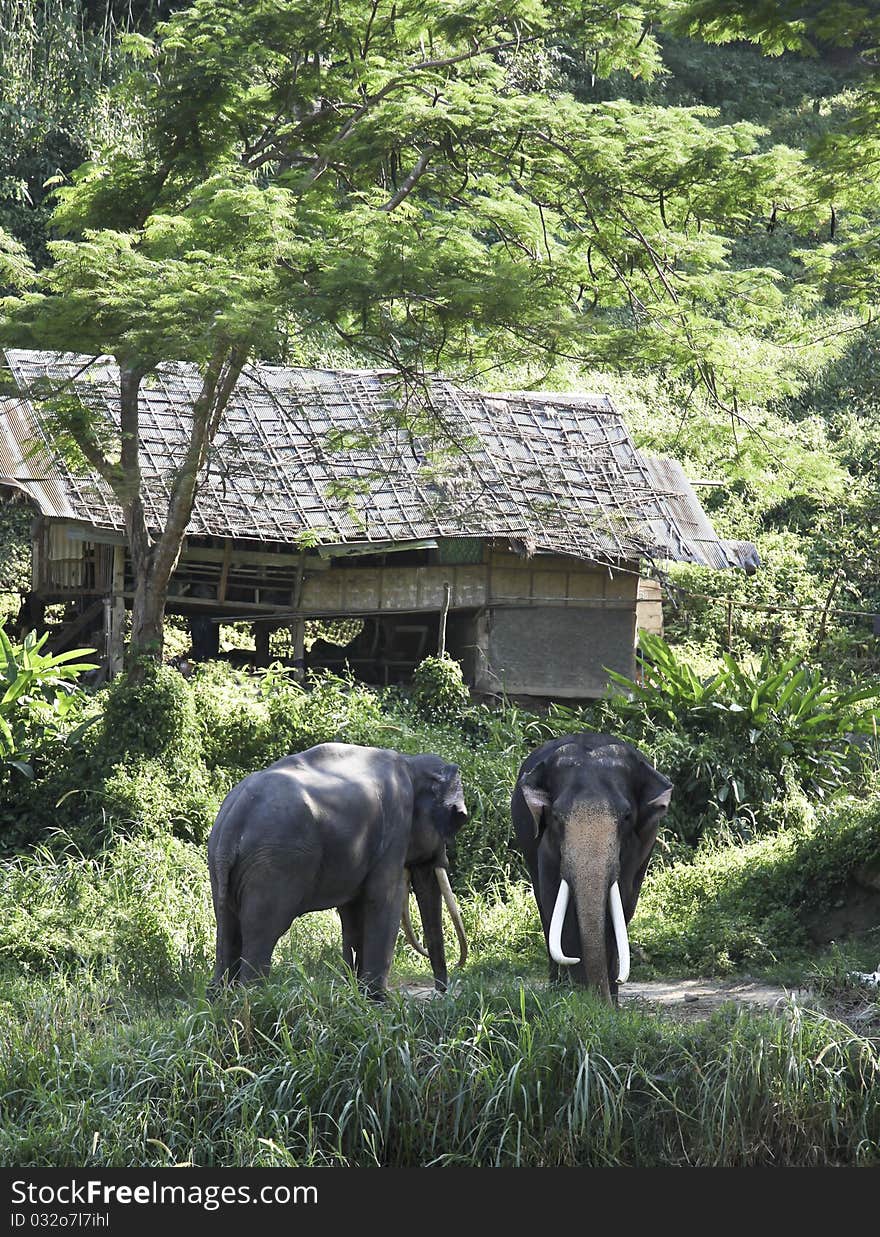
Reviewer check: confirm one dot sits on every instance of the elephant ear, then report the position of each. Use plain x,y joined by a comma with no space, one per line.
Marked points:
655,793
535,794
449,794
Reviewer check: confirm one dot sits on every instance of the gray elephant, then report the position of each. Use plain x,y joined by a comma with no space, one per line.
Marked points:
586,811
337,825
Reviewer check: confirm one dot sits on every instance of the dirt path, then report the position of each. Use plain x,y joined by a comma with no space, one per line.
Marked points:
692,999
684,999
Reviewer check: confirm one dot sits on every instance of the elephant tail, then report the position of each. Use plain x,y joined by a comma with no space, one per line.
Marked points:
221,867
223,847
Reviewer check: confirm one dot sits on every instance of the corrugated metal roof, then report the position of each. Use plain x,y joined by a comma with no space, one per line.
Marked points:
339,455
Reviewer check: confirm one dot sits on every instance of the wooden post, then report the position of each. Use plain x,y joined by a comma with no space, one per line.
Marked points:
261,640
114,615
298,640
444,614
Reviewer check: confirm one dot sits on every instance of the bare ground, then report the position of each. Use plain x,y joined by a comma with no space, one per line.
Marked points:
690,1000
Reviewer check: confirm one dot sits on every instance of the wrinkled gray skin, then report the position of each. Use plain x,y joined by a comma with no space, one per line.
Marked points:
332,826
587,808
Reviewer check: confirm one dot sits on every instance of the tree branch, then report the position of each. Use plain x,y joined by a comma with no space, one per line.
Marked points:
409,184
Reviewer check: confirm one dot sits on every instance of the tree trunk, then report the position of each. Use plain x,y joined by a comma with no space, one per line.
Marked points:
154,558
150,592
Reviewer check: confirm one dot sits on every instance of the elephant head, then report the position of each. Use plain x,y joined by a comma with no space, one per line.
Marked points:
587,809
439,811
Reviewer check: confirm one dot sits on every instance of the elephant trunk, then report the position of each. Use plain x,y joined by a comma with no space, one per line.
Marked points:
589,864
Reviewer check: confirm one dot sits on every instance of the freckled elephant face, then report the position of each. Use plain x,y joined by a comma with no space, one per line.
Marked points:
586,810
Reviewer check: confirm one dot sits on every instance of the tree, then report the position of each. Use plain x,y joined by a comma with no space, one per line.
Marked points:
405,180
842,164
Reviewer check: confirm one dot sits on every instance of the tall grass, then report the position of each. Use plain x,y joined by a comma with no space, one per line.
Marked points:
303,1072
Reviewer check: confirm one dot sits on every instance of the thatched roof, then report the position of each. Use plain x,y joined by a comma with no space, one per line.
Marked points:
342,457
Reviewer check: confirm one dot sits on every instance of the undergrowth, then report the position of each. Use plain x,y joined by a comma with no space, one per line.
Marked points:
307,1073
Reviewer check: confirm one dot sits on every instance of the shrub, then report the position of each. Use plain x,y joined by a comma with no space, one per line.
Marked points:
483,845
248,722
333,709
438,688
738,744
141,797
777,713
141,910
154,717
234,718
733,906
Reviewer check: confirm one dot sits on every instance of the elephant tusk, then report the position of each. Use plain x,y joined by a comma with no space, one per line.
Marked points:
618,922
406,922
454,914
555,935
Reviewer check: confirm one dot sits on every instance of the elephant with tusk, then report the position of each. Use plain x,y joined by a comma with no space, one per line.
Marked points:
337,825
586,812
429,888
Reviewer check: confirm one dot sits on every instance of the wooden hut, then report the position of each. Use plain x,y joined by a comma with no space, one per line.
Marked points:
519,525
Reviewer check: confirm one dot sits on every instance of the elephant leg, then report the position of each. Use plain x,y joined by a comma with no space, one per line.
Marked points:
351,916
430,900
546,913
382,902
263,922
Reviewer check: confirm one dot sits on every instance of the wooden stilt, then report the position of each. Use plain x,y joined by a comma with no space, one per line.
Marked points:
114,615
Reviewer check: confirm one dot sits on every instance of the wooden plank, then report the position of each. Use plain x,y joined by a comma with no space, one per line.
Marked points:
258,558
400,589
361,589
510,584
621,585
352,549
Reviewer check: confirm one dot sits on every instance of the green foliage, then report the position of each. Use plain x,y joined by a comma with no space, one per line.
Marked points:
141,912
15,565
731,741
438,688
741,906
482,848
153,716
247,721
234,719
148,798
163,922
39,698
334,709
56,108
138,769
